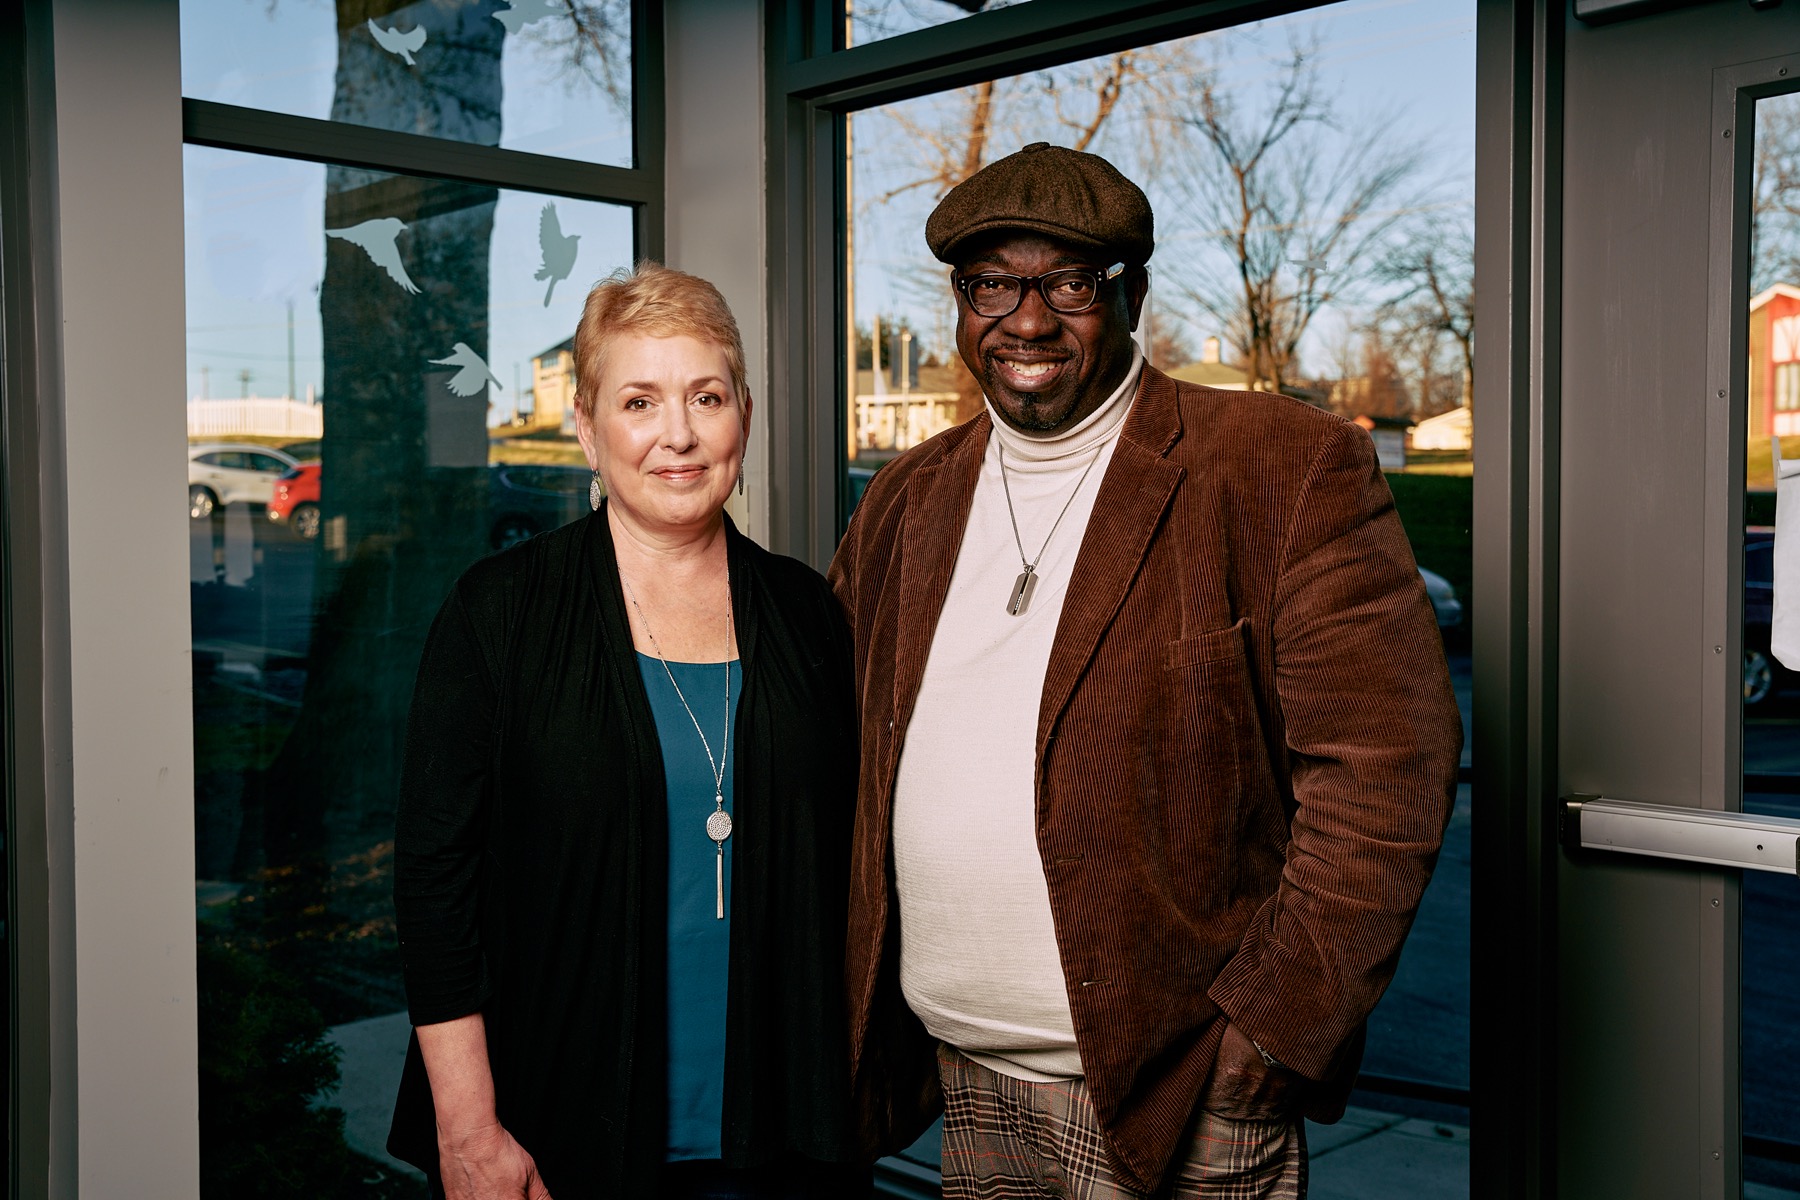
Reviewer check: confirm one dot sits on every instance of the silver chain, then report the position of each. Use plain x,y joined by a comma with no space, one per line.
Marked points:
1031,567
718,764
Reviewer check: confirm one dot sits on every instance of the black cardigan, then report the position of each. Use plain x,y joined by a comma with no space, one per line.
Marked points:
531,864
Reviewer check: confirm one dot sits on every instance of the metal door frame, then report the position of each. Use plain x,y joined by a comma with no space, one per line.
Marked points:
1518,250
1642,963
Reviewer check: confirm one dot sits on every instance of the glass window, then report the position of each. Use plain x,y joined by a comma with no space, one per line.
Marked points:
872,20
1354,227
1770,1015
550,78
398,338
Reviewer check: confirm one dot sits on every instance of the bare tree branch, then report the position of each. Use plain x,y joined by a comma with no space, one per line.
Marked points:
1775,194
1435,272
1294,218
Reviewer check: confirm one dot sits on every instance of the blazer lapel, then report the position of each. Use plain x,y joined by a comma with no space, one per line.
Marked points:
937,513
1137,487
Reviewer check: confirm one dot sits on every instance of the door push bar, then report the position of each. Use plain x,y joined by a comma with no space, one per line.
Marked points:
1696,835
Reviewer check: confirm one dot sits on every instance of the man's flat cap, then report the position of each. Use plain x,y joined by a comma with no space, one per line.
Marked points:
1052,190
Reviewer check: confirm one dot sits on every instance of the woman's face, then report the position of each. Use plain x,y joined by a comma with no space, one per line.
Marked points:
667,432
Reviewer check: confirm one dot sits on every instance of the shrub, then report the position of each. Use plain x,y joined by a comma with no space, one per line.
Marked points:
264,1060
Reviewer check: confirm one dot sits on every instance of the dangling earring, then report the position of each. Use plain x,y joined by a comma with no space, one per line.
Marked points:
595,493
741,458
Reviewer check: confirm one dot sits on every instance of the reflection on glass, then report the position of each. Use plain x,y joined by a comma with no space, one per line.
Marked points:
539,75
872,20
1771,974
381,393
1312,179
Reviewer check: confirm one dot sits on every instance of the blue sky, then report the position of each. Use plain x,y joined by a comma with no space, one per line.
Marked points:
1405,64
255,237
256,240
255,224
282,55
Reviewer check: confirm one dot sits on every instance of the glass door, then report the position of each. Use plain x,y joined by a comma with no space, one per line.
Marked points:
1771,686
1674,981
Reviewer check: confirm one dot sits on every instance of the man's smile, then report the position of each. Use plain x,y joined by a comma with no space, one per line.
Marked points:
1027,372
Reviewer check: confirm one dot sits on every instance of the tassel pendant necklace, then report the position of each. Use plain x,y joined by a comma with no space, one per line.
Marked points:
718,822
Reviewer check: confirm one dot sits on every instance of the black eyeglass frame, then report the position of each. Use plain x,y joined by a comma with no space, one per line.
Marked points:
1027,282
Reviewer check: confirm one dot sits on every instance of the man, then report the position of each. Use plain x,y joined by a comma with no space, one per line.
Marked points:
1158,740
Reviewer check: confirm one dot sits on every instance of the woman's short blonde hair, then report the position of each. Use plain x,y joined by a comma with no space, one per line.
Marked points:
657,300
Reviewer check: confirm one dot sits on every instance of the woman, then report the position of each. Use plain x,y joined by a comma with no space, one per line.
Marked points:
624,828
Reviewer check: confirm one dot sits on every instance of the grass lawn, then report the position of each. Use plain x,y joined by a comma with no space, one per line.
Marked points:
1438,511
531,451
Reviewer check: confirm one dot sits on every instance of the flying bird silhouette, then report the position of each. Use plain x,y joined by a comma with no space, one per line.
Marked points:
376,238
395,42
472,373
525,12
558,250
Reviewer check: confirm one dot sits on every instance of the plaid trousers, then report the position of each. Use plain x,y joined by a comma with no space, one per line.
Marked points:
1006,1138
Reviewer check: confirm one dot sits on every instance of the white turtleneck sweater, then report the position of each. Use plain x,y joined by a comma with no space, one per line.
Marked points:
978,954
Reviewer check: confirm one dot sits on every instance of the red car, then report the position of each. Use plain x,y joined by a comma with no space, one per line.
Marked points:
296,500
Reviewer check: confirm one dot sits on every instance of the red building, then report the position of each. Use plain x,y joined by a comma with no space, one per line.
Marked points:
1775,362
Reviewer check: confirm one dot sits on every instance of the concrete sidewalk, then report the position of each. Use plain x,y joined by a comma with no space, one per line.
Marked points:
368,1079
1372,1154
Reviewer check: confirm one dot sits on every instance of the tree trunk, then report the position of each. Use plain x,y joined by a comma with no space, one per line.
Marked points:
404,490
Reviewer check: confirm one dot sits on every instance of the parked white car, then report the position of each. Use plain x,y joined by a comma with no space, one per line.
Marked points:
232,473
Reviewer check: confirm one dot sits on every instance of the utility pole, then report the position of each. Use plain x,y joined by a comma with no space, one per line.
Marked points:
290,391
244,379
852,432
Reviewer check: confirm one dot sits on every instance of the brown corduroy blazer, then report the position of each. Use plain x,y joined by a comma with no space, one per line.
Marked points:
1247,754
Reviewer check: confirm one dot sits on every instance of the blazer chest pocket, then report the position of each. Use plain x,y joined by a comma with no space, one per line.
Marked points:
1208,732
1207,702
1212,646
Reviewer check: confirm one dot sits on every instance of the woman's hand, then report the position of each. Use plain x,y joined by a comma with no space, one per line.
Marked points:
477,1157
487,1164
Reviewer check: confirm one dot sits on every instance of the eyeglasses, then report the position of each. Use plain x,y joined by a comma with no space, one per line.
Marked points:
1072,290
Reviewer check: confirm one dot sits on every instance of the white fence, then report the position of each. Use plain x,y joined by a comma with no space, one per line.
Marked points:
255,416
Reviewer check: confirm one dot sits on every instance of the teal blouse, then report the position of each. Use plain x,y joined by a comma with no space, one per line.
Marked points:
699,942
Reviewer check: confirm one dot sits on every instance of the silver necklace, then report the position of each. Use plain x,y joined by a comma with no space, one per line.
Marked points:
718,822
1027,580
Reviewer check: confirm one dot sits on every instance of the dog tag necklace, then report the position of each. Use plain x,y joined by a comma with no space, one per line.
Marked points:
718,822
1026,583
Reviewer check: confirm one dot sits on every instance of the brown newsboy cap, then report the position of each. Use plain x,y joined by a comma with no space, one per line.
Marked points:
1052,190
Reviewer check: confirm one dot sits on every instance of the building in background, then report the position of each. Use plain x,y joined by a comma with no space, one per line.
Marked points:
897,409
553,389
1449,432
1212,370
1774,376
1389,436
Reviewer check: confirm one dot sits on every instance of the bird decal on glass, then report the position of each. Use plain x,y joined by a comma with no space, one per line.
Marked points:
557,248
395,42
376,238
526,12
472,373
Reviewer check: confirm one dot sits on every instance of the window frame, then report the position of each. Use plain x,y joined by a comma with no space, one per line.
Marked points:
338,143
